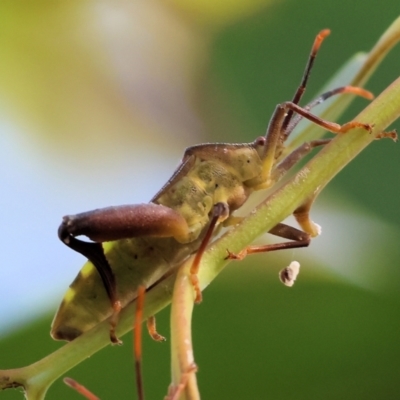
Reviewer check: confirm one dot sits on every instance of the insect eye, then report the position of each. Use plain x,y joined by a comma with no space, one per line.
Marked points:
260,141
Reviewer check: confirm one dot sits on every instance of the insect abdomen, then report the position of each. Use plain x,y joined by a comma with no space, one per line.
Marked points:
138,261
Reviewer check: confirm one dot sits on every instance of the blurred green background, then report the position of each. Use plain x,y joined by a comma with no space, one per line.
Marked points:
98,100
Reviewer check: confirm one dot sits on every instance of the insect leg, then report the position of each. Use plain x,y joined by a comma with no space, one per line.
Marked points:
137,341
128,221
298,239
294,157
330,126
151,327
95,254
302,215
220,211
114,223
277,132
324,96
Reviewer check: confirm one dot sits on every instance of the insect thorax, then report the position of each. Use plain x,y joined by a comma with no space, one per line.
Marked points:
212,181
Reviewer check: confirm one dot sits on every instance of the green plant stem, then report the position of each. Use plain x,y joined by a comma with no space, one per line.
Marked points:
182,359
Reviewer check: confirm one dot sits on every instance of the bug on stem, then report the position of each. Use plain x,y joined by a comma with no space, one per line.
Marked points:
137,245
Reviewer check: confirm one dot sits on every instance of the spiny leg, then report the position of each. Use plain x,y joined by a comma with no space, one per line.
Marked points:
220,212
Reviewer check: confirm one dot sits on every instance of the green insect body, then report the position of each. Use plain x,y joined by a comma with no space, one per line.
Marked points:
215,173
137,245
135,262
192,191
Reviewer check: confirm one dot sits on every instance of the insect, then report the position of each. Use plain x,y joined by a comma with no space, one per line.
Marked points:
136,245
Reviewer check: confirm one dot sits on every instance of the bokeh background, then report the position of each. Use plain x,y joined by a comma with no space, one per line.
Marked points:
98,100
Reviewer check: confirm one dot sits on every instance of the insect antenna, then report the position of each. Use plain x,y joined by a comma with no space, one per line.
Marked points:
302,87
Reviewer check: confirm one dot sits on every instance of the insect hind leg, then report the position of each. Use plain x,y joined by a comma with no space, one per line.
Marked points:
95,254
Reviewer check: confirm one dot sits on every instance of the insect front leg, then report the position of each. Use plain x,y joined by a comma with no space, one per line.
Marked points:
115,223
219,214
